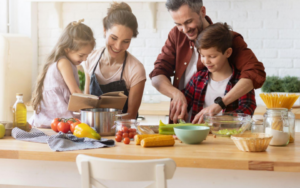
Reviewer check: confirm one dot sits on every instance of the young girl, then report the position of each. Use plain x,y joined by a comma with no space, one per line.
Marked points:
59,77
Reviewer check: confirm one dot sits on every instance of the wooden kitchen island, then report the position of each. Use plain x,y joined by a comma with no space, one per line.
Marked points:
213,153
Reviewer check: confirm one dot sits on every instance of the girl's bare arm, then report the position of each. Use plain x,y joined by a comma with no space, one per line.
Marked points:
65,68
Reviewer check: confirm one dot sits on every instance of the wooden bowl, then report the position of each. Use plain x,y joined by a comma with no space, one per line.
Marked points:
254,142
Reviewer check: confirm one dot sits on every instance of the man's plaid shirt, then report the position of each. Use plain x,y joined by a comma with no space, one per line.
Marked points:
196,89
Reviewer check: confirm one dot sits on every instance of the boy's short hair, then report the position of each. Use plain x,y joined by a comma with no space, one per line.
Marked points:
217,35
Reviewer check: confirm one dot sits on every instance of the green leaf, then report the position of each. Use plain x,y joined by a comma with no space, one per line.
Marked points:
81,76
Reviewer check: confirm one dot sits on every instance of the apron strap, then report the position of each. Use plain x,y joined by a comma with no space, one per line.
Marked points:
124,63
98,61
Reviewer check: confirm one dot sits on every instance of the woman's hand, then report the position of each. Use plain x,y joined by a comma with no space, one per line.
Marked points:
212,110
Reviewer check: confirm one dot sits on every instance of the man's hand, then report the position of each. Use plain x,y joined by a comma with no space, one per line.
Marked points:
212,110
178,108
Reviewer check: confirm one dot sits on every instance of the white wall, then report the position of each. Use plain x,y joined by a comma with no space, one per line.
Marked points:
270,27
3,16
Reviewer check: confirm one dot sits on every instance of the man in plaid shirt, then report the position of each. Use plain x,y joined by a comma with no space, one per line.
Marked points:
212,83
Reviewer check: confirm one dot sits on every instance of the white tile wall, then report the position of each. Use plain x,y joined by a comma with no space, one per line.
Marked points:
270,27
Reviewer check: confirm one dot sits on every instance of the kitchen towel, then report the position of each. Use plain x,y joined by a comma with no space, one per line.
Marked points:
61,141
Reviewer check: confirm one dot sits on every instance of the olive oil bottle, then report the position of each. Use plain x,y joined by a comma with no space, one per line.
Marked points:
19,113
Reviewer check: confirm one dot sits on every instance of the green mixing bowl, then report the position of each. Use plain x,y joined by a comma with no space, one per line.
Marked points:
191,134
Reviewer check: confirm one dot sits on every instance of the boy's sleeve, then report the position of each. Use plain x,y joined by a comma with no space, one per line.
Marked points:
189,92
247,103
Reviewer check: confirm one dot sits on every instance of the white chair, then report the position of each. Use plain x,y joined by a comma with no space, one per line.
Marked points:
92,168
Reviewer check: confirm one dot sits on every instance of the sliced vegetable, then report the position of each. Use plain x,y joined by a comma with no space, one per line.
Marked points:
229,132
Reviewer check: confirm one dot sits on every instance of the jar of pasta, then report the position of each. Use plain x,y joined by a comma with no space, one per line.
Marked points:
276,122
291,117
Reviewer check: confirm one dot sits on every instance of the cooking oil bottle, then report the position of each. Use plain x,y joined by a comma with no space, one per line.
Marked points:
19,113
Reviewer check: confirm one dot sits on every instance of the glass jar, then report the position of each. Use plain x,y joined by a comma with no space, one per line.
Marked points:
276,123
291,117
128,126
257,127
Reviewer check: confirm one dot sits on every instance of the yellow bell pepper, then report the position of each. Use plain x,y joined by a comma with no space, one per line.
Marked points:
83,130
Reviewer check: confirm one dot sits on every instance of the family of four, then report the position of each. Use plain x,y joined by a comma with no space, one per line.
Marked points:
212,67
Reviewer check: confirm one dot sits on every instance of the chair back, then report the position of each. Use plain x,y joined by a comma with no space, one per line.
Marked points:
92,168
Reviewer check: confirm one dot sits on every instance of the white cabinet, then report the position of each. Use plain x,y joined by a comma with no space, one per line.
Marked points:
15,71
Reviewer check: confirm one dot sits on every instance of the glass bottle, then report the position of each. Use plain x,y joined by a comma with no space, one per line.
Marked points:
19,113
291,117
276,123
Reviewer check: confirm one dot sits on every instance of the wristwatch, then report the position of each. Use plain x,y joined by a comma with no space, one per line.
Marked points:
219,101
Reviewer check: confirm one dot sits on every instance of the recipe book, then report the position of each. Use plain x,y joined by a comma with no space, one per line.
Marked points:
80,101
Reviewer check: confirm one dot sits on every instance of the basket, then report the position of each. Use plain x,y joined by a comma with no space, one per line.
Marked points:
252,142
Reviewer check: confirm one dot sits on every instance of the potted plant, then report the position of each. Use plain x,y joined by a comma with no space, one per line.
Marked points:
285,85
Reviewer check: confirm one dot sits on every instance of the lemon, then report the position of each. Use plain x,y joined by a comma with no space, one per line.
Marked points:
2,130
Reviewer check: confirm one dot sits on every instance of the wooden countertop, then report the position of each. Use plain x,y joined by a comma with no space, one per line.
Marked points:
160,109
217,153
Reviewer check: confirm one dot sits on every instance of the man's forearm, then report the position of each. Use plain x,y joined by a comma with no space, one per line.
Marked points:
241,88
164,85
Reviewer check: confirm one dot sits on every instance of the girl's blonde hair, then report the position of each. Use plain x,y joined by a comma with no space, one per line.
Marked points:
74,36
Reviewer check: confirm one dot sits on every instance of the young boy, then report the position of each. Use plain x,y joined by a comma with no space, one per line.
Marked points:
210,84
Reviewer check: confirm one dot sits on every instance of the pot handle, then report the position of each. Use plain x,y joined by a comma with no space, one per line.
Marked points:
76,113
121,115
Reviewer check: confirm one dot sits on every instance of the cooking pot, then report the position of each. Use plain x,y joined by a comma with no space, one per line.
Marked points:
102,119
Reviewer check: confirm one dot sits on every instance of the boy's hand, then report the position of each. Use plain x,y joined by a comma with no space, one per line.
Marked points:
212,110
178,107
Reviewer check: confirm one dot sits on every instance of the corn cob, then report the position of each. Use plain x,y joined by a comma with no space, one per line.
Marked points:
158,141
139,137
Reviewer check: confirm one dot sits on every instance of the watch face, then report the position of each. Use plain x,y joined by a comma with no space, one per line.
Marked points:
217,100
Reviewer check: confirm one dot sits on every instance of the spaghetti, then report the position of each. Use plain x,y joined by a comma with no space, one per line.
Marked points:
279,100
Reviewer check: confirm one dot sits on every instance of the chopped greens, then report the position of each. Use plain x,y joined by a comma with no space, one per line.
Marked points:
229,132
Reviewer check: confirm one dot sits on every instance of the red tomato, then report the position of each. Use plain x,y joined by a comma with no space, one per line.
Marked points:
76,119
54,124
131,134
73,125
126,140
118,138
119,133
125,135
71,120
125,129
63,127
132,130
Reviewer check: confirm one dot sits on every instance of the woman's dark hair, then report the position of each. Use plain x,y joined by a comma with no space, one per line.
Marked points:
121,14
174,5
217,35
